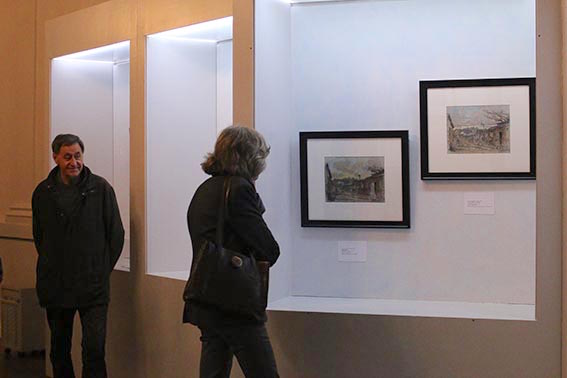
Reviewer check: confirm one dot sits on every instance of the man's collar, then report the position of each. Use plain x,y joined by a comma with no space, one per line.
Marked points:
54,177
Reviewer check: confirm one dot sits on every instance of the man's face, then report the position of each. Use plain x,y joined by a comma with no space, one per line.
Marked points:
70,162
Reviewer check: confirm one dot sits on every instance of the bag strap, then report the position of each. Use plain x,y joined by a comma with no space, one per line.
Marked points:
223,210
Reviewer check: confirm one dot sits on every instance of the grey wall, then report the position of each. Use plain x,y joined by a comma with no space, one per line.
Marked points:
356,65
325,345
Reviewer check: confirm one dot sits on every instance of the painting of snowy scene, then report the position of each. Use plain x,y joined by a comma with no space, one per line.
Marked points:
481,129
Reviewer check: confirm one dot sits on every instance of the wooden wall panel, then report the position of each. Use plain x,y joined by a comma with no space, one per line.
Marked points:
49,9
564,192
160,15
100,25
243,75
17,85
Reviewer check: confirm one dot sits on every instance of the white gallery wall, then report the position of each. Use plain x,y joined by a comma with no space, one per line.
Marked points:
224,84
90,97
356,65
189,100
273,118
82,104
121,153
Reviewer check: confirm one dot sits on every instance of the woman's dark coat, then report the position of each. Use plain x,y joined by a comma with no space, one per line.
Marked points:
244,231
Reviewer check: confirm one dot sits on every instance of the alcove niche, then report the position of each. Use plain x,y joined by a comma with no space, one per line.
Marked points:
188,101
90,97
356,65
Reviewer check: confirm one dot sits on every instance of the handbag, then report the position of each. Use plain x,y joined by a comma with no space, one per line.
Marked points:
229,280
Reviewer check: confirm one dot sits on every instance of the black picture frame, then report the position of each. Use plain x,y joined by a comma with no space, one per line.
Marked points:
511,159
393,177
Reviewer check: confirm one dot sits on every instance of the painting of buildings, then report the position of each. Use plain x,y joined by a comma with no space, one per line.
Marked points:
478,129
354,179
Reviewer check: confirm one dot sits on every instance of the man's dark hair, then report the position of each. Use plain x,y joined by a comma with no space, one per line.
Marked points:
66,140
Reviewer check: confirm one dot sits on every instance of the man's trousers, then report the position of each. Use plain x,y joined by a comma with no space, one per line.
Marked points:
93,323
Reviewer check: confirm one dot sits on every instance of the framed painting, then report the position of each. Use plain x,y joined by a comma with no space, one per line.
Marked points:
354,179
478,129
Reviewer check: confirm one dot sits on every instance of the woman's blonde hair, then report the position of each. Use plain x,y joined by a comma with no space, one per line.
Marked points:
239,151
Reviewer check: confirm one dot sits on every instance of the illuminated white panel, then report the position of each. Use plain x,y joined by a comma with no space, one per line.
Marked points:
189,99
90,93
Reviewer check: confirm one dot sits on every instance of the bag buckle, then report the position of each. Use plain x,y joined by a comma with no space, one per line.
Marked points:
236,261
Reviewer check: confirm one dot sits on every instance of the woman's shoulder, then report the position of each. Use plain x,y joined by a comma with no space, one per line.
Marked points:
240,186
204,190
209,183
239,181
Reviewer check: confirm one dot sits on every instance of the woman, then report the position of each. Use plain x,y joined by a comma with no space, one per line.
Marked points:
240,153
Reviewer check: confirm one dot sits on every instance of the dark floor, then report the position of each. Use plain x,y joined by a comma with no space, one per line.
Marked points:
28,366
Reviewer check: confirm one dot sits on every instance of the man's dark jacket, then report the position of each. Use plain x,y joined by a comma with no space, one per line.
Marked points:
244,231
77,251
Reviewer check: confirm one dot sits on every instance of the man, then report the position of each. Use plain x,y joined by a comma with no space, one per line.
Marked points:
79,236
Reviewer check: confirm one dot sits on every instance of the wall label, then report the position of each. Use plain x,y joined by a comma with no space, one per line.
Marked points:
353,251
479,203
